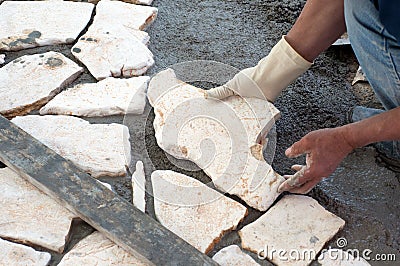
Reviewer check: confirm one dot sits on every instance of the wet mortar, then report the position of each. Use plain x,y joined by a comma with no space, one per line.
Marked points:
239,33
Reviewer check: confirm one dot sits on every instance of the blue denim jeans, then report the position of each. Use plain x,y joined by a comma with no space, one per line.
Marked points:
379,56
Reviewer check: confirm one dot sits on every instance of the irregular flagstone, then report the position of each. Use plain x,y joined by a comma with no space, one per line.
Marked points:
110,96
193,211
26,24
339,257
233,256
114,44
29,216
17,254
359,77
2,58
29,82
98,250
99,149
296,224
139,187
219,136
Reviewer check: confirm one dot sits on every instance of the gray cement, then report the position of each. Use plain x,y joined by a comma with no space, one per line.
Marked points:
239,33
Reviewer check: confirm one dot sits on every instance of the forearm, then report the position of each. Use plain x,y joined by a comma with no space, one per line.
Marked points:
320,24
382,127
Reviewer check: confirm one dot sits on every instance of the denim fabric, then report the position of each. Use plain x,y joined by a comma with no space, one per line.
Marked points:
379,55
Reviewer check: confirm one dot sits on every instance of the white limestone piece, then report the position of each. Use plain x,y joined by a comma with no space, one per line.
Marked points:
139,187
193,211
343,40
29,82
17,254
110,96
339,257
233,256
2,58
26,24
114,44
296,223
98,149
221,137
29,216
98,250
359,77
106,185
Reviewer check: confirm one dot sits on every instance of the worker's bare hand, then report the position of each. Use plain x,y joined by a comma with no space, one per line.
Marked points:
324,150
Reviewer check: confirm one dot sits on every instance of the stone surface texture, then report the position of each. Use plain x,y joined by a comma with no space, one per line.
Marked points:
115,44
17,254
2,58
193,211
339,257
139,187
29,82
233,256
98,149
219,136
29,216
98,250
26,24
110,96
296,223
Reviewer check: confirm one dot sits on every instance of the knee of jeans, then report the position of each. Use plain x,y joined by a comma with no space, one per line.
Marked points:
351,7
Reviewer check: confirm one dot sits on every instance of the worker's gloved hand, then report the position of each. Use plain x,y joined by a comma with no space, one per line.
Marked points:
266,80
324,149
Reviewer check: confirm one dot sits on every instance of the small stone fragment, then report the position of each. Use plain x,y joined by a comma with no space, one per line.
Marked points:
29,82
193,211
359,77
219,136
114,45
110,96
295,224
23,25
98,149
17,254
98,250
139,187
106,185
339,257
2,58
233,256
343,40
27,215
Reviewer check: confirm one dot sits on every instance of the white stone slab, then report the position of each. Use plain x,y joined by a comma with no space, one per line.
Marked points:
339,257
98,250
110,96
17,254
114,44
296,224
359,77
343,40
26,24
99,149
139,187
29,82
193,211
29,216
233,256
2,58
219,136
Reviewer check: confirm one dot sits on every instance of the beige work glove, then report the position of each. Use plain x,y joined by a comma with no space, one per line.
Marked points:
266,80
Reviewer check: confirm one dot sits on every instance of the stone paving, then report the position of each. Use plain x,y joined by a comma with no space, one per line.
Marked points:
115,46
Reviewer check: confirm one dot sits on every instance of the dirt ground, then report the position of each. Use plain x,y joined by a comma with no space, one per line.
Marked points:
239,33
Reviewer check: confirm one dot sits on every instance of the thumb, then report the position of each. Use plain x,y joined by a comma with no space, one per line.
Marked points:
297,149
219,93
